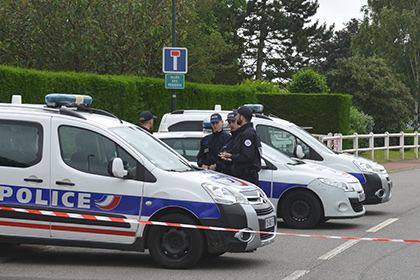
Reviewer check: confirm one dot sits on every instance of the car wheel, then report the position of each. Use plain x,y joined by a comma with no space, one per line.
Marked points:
175,247
301,209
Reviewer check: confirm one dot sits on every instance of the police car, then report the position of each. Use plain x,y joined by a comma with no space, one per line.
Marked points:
295,142
305,194
98,174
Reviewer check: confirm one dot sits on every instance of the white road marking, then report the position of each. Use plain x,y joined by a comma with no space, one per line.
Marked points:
296,275
382,225
334,252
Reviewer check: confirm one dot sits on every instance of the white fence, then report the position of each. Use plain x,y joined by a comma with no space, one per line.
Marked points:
335,142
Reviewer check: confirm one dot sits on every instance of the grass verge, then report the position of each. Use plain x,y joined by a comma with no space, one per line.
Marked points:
394,155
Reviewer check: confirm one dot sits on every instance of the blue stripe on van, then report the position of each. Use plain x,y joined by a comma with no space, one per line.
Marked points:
201,209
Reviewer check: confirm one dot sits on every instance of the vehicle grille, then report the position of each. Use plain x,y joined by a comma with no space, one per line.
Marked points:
265,236
356,204
264,211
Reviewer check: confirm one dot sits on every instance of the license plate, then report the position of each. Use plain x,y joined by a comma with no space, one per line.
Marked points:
270,222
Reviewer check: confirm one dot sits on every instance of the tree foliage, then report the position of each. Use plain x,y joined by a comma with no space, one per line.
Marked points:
279,38
391,30
110,37
308,81
105,37
375,90
339,46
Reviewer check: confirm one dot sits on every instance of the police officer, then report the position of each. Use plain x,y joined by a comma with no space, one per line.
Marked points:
211,144
246,156
229,146
146,121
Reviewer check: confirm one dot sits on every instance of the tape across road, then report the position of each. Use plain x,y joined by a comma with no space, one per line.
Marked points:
157,223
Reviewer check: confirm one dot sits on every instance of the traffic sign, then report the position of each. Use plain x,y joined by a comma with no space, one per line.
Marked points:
174,60
174,81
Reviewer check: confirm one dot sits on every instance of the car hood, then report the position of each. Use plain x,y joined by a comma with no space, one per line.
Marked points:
321,171
220,178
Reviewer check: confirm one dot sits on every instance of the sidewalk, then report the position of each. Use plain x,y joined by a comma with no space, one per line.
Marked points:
393,166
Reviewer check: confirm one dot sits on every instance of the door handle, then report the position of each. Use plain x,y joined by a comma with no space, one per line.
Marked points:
64,183
33,180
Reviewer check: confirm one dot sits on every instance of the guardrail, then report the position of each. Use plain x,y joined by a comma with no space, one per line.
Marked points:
335,142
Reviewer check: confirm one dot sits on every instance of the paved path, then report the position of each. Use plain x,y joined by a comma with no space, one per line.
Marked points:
401,165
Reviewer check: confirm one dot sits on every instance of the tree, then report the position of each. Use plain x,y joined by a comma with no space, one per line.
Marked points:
279,38
308,81
375,89
391,30
339,46
229,16
109,37
105,37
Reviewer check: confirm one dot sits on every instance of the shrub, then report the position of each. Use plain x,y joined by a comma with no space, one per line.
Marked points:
308,81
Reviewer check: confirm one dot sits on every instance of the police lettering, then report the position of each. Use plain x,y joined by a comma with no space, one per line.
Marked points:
35,197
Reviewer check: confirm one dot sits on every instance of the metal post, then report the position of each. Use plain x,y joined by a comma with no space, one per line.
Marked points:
173,91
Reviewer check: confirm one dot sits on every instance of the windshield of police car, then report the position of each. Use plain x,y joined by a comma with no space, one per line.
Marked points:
155,151
311,140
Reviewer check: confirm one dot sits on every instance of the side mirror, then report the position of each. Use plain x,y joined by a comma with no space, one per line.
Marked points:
116,168
299,152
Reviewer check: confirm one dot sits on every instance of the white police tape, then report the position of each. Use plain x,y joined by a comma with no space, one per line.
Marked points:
157,223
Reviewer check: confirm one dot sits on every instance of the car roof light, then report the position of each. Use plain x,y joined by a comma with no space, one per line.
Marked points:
256,108
68,100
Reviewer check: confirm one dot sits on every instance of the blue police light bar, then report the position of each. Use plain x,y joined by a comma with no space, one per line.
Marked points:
256,108
60,99
207,124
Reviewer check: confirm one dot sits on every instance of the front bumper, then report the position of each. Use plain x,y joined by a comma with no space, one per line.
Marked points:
377,188
242,217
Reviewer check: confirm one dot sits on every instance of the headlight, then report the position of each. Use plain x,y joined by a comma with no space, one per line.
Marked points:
363,166
337,184
224,194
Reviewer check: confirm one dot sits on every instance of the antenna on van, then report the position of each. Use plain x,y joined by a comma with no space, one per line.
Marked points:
218,107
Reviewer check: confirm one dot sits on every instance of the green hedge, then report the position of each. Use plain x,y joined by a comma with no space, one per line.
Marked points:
127,96
323,112
124,96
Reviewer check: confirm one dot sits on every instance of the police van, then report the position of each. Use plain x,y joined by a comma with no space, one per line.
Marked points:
305,194
92,169
295,142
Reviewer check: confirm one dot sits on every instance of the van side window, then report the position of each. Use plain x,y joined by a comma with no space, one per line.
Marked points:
285,142
91,152
20,143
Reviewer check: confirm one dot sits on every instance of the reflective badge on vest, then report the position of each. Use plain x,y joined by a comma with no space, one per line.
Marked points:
248,142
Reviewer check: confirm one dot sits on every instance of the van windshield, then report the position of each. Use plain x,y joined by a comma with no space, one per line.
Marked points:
311,140
153,149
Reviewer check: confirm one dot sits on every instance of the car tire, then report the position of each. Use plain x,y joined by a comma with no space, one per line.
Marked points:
175,247
301,209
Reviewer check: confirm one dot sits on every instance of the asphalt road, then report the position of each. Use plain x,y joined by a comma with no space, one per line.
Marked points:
290,257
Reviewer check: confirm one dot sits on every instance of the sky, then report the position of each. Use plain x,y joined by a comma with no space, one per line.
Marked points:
338,12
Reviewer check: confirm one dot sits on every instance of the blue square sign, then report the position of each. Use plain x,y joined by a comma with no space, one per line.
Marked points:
174,60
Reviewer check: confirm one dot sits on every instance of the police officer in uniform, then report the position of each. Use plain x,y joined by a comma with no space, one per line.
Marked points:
229,146
146,121
246,156
211,144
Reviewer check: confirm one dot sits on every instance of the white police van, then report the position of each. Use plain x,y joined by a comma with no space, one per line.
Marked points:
67,157
295,142
305,194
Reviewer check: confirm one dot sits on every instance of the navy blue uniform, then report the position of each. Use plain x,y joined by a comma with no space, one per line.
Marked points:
210,147
229,147
246,158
